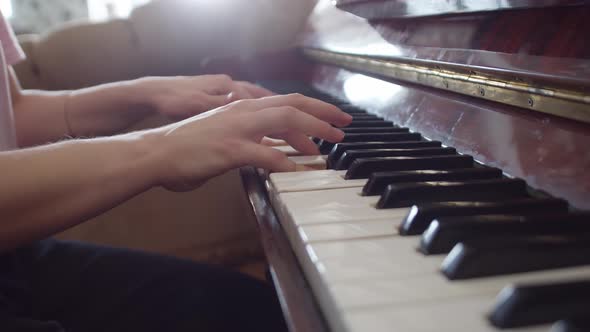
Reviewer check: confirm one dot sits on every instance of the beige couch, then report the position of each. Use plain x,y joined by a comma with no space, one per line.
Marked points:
213,223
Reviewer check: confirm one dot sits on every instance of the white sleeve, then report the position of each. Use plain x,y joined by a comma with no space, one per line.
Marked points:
12,50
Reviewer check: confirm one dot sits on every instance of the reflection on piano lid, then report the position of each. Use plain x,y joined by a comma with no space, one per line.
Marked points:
456,200
413,9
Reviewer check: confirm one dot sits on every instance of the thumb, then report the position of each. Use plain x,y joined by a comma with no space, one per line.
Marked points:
266,157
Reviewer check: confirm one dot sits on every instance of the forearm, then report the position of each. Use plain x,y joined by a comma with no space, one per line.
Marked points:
48,189
42,117
39,117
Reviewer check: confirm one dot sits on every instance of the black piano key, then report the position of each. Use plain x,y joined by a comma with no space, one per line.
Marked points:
348,108
379,181
515,254
444,233
370,123
421,215
408,194
525,305
340,148
335,99
368,116
331,99
359,114
396,134
368,130
364,167
308,93
365,117
345,107
579,323
348,157
324,145
402,135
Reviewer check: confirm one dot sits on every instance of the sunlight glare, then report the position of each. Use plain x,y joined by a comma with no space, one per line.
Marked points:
99,10
6,8
360,89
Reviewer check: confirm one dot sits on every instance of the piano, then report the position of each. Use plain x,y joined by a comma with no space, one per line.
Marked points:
459,198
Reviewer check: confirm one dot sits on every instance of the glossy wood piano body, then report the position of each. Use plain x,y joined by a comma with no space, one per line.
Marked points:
507,82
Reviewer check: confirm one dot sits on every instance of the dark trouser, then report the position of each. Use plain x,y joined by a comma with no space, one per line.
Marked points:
76,287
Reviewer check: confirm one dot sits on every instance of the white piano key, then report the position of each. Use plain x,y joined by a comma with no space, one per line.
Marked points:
311,162
326,206
288,150
458,315
339,269
368,276
389,281
312,180
336,205
371,277
362,271
387,262
434,287
382,257
348,230
274,142
372,247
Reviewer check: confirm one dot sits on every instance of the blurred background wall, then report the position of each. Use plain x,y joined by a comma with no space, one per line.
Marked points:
37,16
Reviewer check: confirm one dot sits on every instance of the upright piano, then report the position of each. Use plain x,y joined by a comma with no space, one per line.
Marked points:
458,199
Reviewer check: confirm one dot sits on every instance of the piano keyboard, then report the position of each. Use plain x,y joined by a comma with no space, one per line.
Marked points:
398,233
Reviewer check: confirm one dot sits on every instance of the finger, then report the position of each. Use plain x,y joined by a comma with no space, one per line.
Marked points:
283,120
266,157
213,101
217,84
301,143
315,107
272,142
239,93
255,90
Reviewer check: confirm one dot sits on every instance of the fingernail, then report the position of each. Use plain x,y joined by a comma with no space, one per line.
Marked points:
348,119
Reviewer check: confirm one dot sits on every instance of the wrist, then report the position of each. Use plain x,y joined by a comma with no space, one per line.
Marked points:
140,96
147,155
106,109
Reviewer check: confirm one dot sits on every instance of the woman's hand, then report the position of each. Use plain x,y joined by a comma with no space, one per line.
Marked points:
184,96
201,147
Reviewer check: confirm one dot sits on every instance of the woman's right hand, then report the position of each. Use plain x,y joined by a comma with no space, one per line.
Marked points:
196,149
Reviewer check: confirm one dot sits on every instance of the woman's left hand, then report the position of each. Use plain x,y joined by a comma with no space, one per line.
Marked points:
184,96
